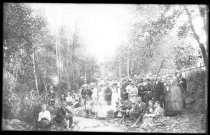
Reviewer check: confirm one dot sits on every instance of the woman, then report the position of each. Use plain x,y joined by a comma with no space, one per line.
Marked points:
44,118
115,95
132,92
101,102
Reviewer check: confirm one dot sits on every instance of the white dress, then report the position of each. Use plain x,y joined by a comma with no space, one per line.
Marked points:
115,98
132,90
95,95
101,107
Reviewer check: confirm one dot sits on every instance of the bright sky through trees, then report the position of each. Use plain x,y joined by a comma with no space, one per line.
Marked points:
102,27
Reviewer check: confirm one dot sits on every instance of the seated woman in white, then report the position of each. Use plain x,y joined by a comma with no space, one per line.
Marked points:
44,118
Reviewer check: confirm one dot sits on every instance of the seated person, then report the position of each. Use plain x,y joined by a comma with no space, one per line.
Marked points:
124,110
69,99
89,108
63,115
149,119
137,112
150,108
44,118
78,101
116,110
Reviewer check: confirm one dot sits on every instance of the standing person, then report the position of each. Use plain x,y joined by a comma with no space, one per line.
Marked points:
108,95
115,95
124,94
63,115
132,92
140,87
63,97
101,102
148,91
51,96
94,94
182,83
85,94
158,92
44,119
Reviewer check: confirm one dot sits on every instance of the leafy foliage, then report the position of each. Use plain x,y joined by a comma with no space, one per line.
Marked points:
185,57
196,83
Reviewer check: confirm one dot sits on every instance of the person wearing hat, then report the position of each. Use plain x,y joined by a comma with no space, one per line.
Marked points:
132,91
124,93
158,93
63,115
108,94
148,91
51,96
141,88
138,110
115,95
182,83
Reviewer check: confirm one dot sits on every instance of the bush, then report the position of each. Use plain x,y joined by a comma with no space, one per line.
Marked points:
25,108
11,102
196,84
31,107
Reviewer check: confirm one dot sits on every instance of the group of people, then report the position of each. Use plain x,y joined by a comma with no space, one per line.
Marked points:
64,117
133,99
137,100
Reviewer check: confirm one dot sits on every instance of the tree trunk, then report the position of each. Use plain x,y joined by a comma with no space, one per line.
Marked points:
128,64
203,50
132,63
36,83
45,90
120,69
67,65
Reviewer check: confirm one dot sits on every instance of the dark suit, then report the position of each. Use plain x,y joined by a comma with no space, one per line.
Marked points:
61,116
183,87
148,93
141,90
138,109
158,91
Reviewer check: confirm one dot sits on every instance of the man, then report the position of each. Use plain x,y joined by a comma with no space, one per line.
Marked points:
63,115
182,82
78,101
158,92
141,89
85,93
51,96
124,110
137,112
108,95
44,119
148,91
149,119
124,94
